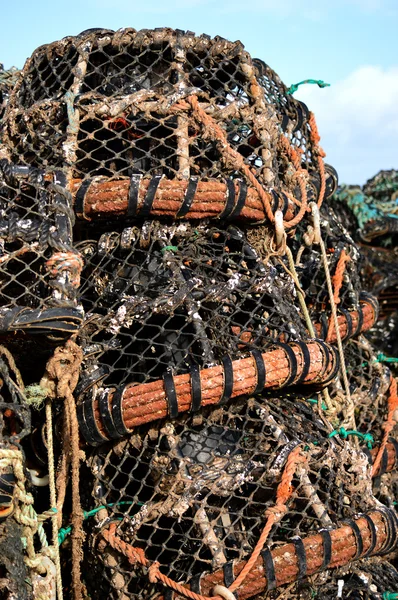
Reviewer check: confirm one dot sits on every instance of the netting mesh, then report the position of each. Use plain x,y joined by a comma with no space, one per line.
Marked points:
187,298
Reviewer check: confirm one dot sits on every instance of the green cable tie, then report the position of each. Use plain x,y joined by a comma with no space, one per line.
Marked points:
295,86
365,437
170,249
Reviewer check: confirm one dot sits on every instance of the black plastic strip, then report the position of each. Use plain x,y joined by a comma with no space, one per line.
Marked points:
269,569
194,583
360,321
373,535
358,537
228,569
106,416
228,379
395,444
134,190
188,198
326,353
384,463
88,415
196,389
370,299
336,367
261,374
117,411
150,196
391,529
229,206
171,395
301,557
324,326
367,452
306,360
241,200
285,203
276,202
79,198
327,547
292,362
84,430
348,319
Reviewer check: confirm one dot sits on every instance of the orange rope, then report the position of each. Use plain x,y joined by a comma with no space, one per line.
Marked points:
320,154
337,281
388,425
273,514
215,132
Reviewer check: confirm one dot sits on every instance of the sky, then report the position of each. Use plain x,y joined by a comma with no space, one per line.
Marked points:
351,44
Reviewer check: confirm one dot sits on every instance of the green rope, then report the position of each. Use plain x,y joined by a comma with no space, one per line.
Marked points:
387,359
365,437
295,86
65,531
170,249
390,596
315,401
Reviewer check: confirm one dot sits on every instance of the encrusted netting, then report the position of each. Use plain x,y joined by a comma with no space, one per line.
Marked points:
197,388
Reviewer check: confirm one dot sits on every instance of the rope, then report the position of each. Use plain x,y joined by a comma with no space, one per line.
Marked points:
274,514
295,86
60,379
388,425
214,131
320,155
337,281
53,496
318,236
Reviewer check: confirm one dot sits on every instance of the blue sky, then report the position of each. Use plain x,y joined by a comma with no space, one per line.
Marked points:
351,44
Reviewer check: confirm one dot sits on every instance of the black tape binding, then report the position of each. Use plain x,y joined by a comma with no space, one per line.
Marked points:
134,190
196,389
80,197
301,557
368,454
360,321
358,536
366,297
230,203
228,379
241,200
150,196
327,547
306,361
194,583
336,358
391,529
324,326
349,323
373,535
260,367
228,569
395,444
88,415
292,363
276,202
269,569
171,395
106,415
87,432
384,463
188,197
117,411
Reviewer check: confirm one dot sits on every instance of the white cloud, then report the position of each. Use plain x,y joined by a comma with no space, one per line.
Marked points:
358,121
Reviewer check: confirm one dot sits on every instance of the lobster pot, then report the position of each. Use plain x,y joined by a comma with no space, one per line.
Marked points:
39,267
159,104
